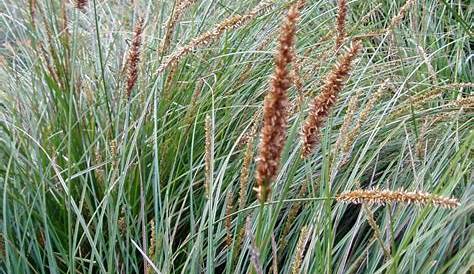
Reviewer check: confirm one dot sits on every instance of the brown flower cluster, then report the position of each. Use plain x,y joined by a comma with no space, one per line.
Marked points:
80,4
275,113
376,196
134,57
341,23
322,104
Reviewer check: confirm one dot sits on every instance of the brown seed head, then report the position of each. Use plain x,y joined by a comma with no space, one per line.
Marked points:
349,137
400,15
134,57
208,156
341,23
245,171
322,104
275,114
80,4
151,250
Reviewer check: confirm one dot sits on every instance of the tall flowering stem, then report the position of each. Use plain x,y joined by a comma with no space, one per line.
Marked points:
275,113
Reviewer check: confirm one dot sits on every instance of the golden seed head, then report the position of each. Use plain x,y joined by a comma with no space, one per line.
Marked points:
209,36
376,196
401,14
300,248
209,152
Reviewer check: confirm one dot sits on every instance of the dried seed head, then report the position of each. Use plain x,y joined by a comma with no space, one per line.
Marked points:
322,104
134,57
420,144
462,103
151,250
376,229
341,23
228,219
209,36
399,17
245,171
275,113
209,152
417,100
81,4
122,225
171,23
300,247
348,117
32,10
376,196
297,82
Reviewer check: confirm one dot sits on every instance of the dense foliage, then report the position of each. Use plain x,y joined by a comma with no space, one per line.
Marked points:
130,135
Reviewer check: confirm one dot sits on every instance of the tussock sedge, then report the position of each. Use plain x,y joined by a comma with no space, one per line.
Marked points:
246,162
348,136
132,134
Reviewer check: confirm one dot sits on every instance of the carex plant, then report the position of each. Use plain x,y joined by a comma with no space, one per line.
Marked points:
235,136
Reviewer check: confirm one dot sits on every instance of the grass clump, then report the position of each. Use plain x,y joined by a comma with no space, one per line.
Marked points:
129,137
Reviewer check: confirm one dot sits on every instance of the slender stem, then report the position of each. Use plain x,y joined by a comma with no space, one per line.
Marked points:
274,203
102,68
